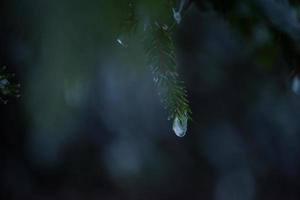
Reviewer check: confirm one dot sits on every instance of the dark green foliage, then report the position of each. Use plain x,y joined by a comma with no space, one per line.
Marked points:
160,51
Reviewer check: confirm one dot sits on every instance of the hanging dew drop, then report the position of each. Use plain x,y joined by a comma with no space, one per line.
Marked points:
296,85
180,125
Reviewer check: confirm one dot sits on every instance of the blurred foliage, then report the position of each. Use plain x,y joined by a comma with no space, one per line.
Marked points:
7,86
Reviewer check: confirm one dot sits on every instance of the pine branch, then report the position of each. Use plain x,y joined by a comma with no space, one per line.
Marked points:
160,51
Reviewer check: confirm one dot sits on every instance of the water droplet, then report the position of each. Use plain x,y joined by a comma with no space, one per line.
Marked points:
296,85
120,42
180,125
177,16
155,79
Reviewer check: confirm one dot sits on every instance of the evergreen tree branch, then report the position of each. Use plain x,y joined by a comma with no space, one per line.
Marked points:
160,51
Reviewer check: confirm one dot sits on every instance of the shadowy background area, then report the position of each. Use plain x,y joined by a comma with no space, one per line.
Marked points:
90,125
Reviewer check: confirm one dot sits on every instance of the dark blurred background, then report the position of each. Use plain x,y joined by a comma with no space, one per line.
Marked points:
90,125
